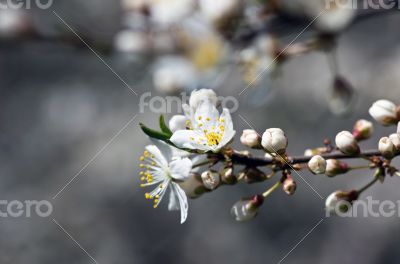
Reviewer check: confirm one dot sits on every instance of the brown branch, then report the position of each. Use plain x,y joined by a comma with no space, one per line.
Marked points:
241,159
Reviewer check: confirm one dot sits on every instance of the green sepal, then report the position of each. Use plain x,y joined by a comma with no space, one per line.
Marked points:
164,128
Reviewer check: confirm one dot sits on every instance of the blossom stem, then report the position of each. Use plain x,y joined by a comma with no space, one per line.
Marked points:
360,167
272,189
368,185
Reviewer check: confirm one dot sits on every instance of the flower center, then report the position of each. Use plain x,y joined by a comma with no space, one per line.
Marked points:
213,138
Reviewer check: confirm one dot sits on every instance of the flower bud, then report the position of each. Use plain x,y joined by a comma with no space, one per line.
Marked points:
198,96
362,130
250,138
227,175
289,185
178,122
211,179
252,175
346,143
386,148
335,167
395,138
384,112
246,209
340,201
317,165
193,186
274,141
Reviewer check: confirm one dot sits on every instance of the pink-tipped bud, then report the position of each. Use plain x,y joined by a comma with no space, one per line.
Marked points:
246,209
363,129
346,143
335,167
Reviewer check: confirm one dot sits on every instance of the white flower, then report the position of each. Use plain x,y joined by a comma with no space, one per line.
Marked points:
346,143
363,129
395,138
161,168
386,147
130,41
384,112
178,122
209,130
250,138
274,140
317,164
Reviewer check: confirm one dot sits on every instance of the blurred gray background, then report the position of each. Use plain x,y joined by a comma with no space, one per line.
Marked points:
60,105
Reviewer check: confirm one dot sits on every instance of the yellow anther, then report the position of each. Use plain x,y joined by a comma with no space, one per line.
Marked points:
142,185
147,195
156,201
141,165
141,173
142,178
157,196
146,153
191,138
153,163
141,158
208,119
200,117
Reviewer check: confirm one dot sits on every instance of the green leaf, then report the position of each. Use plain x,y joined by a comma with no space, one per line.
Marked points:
155,134
164,128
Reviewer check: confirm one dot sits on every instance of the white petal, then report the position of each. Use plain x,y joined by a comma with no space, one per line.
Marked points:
165,149
188,139
183,203
206,115
158,156
180,168
229,132
173,204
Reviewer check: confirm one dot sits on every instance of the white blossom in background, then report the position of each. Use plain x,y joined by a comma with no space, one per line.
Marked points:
384,112
12,22
167,12
173,74
209,130
129,41
162,168
217,12
330,16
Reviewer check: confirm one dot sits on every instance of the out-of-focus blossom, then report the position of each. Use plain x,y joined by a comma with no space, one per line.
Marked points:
219,12
384,112
13,22
167,12
131,42
173,74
